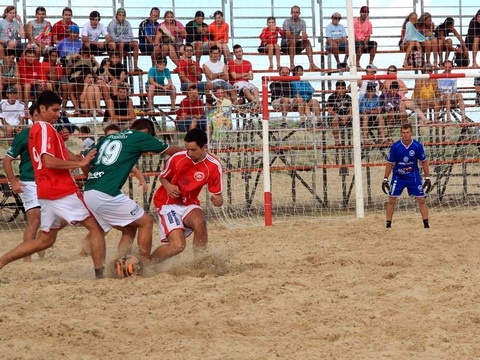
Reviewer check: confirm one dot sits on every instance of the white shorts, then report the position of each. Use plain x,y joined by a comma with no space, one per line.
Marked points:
170,217
112,211
71,208
29,195
240,85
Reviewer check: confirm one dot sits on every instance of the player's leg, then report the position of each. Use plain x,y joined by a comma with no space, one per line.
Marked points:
33,223
126,240
197,221
97,242
396,189
422,206
176,244
144,239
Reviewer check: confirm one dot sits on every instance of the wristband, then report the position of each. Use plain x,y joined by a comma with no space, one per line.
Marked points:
385,179
427,177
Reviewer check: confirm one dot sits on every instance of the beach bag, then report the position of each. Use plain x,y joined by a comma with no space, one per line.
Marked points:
416,59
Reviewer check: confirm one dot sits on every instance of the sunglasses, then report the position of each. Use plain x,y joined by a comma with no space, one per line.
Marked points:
392,70
336,18
365,12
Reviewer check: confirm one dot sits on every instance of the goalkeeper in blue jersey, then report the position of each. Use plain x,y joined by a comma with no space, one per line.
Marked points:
404,158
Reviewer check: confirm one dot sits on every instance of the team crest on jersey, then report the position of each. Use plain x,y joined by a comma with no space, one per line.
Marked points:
199,176
411,153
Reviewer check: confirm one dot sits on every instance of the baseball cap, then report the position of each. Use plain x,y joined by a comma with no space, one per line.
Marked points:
364,9
371,66
336,14
371,86
74,28
11,90
121,10
200,14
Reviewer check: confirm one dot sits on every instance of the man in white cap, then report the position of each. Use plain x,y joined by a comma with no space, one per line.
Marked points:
337,40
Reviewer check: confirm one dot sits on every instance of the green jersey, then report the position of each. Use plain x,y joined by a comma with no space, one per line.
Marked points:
116,155
18,148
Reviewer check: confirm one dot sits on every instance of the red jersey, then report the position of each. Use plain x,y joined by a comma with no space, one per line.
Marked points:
29,72
190,177
268,36
51,183
243,68
190,69
51,72
61,30
190,108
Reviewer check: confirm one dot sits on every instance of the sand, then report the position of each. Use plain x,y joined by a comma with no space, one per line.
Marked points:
301,289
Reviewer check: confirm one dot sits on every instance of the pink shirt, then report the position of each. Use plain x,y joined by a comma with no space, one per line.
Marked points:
362,30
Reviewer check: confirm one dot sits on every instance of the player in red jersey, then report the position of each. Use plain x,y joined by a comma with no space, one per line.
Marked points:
57,191
177,203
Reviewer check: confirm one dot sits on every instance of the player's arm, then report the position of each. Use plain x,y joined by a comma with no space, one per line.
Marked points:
172,190
388,169
172,149
17,185
217,199
426,170
140,177
52,162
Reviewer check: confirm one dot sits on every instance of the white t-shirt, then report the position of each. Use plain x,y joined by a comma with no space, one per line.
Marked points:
12,113
94,34
215,68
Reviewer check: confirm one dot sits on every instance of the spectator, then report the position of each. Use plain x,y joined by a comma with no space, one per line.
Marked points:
476,83
283,99
218,32
427,95
370,109
442,32
53,76
449,96
191,111
156,83
217,73
120,107
413,39
70,46
363,31
339,109
240,72
12,114
362,84
219,114
11,32
190,73
60,29
169,38
197,35
92,32
39,32
426,27
392,107
296,38
90,96
88,141
116,72
9,74
304,90
30,75
121,33
337,40
147,31
269,42
473,37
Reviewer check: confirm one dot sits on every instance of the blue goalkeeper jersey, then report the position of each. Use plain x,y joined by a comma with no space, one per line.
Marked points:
406,158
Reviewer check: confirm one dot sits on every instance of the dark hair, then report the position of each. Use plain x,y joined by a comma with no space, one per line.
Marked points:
213,48
196,135
52,50
192,87
84,129
40,8
406,126
32,108
340,83
296,69
271,18
8,9
154,9
30,51
48,98
161,60
94,14
218,12
449,21
111,127
142,124
188,45
236,46
394,85
66,9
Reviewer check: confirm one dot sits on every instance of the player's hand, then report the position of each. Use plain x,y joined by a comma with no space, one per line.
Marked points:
88,158
427,185
386,186
17,186
144,186
173,191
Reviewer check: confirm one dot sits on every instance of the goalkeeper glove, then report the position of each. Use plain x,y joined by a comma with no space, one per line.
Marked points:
385,186
427,185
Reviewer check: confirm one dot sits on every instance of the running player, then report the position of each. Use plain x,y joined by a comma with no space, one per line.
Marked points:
176,200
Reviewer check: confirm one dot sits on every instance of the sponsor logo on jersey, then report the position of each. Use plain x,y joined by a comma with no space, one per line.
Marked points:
95,175
135,211
199,176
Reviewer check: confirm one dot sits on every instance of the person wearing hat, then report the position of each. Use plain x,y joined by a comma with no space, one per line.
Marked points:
71,45
363,30
60,29
146,32
370,109
121,33
337,40
362,84
92,33
197,35
12,113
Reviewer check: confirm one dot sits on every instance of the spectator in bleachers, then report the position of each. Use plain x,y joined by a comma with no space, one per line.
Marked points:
156,83
11,32
303,90
476,83
450,97
370,109
30,72
218,32
197,35
219,114
442,32
296,38
116,73
363,32
90,96
427,95
413,39
121,33
426,27
92,33
120,108
240,73
60,29
53,76
217,73
147,31
337,40
38,32
283,98
191,114
12,113
169,37
473,37
71,45
269,41
9,74
393,108
362,84
190,73
339,109
88,141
